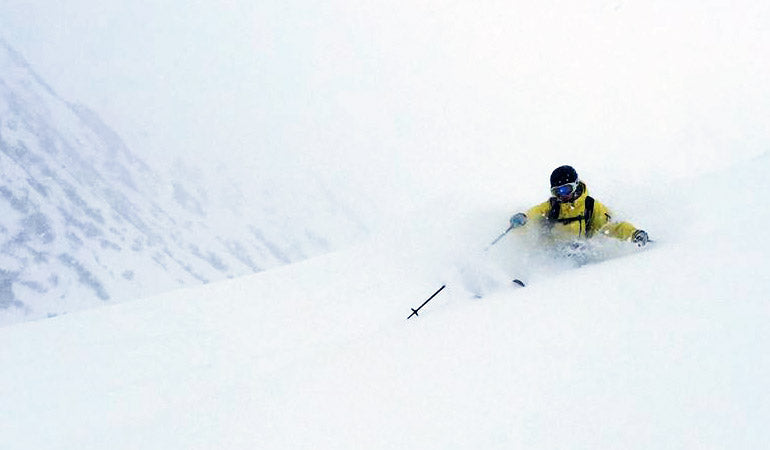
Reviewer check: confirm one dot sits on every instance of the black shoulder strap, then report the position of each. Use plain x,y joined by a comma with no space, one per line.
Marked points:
589,214
553,213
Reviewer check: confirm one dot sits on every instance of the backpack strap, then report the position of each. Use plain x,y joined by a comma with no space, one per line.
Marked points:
553,213
589,214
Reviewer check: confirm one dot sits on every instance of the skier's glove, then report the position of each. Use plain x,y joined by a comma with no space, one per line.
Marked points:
640,238
518,220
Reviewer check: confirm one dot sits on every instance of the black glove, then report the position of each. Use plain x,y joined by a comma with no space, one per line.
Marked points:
640,238
518,220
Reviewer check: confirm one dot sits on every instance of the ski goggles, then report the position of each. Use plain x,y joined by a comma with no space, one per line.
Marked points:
565,190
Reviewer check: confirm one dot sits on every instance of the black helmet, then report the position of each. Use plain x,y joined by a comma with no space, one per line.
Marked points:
564,184
563,175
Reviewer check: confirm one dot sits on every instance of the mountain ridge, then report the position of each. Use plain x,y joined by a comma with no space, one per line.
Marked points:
87,221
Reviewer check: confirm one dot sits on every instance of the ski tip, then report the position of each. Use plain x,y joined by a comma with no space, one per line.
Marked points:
519,282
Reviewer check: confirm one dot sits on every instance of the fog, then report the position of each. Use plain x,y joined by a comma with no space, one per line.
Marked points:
380,98
436,120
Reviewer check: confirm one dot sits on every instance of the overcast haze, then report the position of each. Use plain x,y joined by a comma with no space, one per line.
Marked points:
413,129
385,95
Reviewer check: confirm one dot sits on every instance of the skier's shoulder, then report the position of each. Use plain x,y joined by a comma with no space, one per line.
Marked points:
541,209
598,208
591,202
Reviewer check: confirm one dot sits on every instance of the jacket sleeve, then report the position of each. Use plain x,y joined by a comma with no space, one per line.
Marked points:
538,214
602,223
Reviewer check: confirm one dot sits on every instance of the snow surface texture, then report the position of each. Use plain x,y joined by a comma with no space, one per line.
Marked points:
464,109
299,116
663,348
84,221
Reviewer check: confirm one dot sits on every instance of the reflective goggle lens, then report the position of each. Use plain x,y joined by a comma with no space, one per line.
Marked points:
564,190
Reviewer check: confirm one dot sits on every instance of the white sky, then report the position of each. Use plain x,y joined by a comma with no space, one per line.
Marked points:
395,94
386,95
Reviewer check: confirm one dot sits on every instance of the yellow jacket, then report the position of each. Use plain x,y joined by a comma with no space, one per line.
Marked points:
571,223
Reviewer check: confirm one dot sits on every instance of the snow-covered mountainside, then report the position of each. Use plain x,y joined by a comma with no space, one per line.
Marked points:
442,117
84,221
662,348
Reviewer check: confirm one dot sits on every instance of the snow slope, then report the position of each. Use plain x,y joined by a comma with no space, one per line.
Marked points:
445,118
663,348
300,115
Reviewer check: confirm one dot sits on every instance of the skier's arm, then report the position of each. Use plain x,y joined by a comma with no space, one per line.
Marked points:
539,213
602,222
535,214
620,230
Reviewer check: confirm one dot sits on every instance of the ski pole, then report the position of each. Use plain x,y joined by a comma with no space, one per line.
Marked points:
414,311
499,237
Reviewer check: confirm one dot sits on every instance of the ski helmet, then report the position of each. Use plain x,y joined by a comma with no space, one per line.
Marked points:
565,184
563,175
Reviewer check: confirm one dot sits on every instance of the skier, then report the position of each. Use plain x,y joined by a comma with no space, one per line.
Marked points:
571,217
